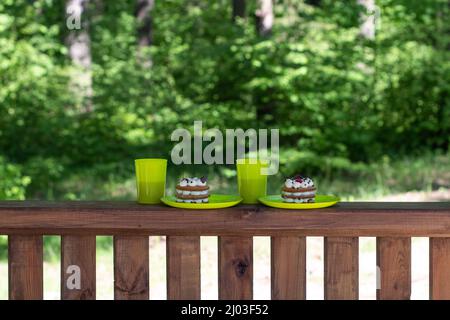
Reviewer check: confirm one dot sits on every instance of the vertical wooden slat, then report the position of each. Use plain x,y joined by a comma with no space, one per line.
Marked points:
288,268
394,267
341,268
25,265
440,268
78,267
183,268
235,268
131,263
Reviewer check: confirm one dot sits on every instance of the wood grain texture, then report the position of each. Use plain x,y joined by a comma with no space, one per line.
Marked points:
78,255
394,267
183,268
440,268
131,264
25,267
345,219
288,268
235,268
341,268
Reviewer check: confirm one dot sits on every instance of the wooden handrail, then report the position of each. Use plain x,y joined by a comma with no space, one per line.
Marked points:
345,219
79,222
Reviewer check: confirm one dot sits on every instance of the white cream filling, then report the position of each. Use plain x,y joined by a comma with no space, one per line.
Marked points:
194,193
290,200
205,200
297,194
199,193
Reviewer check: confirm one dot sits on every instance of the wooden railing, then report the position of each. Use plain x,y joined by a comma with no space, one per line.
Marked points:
79,222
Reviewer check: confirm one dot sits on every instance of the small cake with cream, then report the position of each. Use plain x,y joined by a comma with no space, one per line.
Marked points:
192,190
298,189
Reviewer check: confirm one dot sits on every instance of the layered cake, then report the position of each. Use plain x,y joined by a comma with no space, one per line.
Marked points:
298,189
192,190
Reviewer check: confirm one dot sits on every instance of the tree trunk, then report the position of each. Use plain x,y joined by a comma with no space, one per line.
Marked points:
264,18
145,30
79,44
238,9
367,27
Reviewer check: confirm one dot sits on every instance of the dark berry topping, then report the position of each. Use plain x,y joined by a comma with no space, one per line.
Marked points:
203,179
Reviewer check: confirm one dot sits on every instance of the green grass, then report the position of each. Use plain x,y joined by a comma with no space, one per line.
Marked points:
391,176
386,176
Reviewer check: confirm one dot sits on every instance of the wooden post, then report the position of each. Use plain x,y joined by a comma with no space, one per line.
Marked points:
394,267
440,268
131,262
288,269
25,267
235,268
78,267
183,268
341,268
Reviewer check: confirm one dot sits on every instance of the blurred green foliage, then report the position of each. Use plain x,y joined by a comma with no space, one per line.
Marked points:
341,101
12,182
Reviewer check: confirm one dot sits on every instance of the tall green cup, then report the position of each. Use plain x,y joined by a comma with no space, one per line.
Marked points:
150,180
252,183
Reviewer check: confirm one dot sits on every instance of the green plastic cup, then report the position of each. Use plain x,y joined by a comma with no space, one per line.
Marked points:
252,184
150,180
